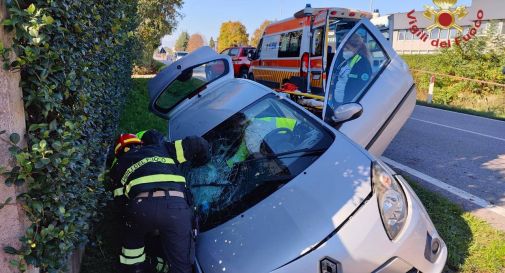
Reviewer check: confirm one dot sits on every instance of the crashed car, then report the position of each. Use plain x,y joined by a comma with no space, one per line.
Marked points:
287,192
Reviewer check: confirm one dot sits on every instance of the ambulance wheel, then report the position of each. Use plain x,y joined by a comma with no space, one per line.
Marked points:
244,73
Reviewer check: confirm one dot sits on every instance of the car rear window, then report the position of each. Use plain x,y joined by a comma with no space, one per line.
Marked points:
254,153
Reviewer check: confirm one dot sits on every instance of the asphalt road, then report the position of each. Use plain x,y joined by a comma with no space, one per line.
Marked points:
463,151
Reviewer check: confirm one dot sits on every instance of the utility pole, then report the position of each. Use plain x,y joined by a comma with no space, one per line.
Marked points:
371,5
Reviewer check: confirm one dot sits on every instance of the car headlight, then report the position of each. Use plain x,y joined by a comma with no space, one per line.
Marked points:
391,199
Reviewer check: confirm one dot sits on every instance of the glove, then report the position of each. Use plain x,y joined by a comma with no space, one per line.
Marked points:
152,137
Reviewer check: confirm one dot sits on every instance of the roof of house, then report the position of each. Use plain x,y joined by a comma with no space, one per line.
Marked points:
493,10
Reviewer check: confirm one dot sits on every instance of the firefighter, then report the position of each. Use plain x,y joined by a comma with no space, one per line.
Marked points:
150,186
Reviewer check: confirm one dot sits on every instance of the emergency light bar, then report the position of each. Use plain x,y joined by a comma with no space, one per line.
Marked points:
334,12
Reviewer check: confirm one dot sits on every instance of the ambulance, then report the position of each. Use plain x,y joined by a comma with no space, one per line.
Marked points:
283,51
338,65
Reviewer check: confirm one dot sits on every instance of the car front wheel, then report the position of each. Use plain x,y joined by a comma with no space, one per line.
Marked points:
244,73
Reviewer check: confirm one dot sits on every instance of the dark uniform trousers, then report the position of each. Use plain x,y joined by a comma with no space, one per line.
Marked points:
149,185
172,217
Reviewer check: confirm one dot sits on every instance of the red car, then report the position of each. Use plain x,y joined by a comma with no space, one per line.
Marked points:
239,57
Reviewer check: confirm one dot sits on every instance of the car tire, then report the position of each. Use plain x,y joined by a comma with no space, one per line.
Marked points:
244,73
251,76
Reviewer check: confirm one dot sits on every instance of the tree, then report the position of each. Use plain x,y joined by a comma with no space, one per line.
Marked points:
195,42
232,34
157,18
182,42
212,44
258,33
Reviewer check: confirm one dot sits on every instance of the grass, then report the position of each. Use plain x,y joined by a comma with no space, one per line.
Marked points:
486,114
136,116
474,246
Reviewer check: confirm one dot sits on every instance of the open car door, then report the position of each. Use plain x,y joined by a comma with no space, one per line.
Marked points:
186,78
370,92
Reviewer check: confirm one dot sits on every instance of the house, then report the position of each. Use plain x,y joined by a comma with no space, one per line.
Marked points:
410,34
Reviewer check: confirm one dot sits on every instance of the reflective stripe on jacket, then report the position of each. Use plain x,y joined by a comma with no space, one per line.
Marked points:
147,168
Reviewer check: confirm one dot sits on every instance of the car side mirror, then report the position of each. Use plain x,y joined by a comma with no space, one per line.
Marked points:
347,112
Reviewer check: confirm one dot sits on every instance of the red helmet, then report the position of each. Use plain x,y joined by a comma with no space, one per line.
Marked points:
124,141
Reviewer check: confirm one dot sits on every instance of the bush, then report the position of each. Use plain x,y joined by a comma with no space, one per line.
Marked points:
153,68
75,62
482,58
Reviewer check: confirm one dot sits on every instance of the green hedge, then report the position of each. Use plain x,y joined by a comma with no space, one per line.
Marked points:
482,58
75,62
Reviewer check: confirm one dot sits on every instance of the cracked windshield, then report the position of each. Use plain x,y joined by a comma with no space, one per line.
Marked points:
254,152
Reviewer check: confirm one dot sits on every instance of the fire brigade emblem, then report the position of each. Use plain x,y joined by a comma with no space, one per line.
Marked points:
444,17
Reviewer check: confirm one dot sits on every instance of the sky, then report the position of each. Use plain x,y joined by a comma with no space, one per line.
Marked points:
205,16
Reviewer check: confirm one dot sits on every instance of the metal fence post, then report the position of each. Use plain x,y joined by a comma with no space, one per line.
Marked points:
430,90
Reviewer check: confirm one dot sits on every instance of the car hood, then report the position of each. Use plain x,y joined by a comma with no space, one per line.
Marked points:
293,220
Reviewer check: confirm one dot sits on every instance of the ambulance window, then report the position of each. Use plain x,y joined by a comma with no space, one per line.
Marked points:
258,51
317,47
289,45
338,30
356,66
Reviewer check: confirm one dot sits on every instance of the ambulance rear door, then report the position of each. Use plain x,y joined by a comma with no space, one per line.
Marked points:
318,56
370,92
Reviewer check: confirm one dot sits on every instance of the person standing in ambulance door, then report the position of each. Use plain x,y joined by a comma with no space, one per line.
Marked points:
351,74
148,180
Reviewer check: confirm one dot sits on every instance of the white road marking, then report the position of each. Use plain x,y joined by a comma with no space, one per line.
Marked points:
459,129
456,191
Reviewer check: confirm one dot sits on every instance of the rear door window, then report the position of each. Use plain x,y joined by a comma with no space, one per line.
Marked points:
260,46
289,44
318,41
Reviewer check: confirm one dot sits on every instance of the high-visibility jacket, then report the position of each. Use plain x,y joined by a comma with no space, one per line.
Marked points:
156,165
359,76
269,124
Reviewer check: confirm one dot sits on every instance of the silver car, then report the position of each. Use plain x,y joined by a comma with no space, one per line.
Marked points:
286,192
